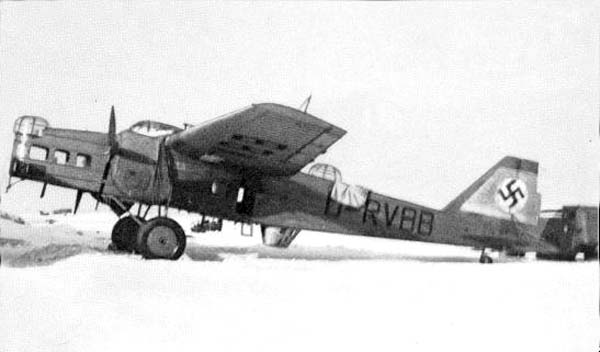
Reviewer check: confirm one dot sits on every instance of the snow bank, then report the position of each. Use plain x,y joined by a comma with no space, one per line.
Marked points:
326,292
101,302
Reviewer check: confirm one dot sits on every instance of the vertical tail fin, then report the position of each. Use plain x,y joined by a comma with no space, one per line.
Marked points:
507,191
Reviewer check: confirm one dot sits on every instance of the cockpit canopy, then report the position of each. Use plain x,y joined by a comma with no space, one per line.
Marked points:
349,195
30,125
326,171
154,129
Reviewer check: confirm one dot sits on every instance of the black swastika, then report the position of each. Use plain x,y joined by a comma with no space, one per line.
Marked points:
511,193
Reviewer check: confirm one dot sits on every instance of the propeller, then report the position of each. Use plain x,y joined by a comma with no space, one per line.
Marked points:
113,150
113,147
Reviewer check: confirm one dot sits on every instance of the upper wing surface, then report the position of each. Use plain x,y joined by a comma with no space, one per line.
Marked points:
269,138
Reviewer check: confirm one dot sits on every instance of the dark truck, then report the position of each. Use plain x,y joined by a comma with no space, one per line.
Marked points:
573,229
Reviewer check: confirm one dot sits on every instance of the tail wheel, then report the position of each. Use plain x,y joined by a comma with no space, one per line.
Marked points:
124,234
485,259
161,238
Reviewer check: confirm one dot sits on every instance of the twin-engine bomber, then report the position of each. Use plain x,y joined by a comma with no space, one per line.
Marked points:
246,167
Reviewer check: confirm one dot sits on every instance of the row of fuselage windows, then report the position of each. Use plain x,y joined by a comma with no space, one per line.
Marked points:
60,157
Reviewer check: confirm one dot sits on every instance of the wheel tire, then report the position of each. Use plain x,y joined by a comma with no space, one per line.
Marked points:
124,234
161,238
486,259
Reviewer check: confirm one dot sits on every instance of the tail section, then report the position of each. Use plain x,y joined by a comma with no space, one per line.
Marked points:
507,191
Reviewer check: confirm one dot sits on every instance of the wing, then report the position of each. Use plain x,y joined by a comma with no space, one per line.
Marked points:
268,138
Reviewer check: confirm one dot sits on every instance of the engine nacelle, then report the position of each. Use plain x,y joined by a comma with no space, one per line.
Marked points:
279,237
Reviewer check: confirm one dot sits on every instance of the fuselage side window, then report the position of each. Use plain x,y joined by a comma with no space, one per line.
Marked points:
61,157
83,160
38,153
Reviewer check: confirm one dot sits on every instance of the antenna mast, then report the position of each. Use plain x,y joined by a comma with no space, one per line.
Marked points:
305,104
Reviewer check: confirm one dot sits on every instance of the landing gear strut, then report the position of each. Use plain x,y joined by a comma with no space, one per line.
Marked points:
484,258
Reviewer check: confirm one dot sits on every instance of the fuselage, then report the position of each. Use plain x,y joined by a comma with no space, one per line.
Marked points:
145,172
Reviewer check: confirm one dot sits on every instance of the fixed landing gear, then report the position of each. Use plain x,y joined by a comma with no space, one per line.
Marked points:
158,238
484,258
161,238
124,234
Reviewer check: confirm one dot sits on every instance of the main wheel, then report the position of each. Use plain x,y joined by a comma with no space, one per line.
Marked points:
124,234
161,238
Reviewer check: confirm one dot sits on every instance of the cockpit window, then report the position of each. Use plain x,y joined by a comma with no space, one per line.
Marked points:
154,129
30,125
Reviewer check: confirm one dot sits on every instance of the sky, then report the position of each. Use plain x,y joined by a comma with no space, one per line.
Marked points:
432,94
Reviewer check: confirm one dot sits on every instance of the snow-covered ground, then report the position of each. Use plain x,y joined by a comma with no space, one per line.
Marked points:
61,290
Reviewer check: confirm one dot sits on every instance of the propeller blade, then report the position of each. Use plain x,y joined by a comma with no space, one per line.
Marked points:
113,148
105,173
112,127
104,177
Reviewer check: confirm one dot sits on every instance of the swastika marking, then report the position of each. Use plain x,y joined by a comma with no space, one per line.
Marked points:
511,195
